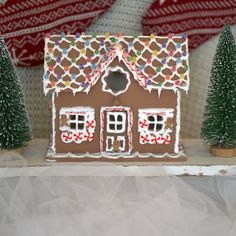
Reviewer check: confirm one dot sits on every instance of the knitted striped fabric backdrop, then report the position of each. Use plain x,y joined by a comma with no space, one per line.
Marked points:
125,16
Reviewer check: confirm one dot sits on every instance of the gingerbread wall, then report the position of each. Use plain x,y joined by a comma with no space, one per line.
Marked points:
135,98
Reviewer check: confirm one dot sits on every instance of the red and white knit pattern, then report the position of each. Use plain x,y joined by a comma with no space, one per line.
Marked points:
24,23
199,19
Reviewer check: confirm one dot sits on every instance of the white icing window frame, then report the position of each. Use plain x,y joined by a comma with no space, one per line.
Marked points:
112,138
164,112
106,74
116,122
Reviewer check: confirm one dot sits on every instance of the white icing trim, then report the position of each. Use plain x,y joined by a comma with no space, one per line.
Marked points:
53,122
176,148
106,74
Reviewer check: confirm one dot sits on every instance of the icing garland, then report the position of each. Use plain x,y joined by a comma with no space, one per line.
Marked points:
77,124
155,125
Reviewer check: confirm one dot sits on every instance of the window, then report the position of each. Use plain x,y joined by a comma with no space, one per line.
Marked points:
116,122
155,123
115,80
77,122
110,143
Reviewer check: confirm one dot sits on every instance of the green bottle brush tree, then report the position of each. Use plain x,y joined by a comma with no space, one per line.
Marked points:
219,121
15,129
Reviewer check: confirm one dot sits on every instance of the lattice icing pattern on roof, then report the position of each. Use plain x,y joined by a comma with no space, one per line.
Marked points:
75,62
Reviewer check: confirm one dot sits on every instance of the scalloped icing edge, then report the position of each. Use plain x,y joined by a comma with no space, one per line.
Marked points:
53,155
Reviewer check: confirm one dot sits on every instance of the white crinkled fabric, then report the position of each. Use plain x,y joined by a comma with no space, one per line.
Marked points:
102,206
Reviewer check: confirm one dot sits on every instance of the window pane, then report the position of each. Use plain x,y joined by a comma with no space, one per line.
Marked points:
80,125
81,118
111,117
158,127
72,117
111,126
159,118
119,127
119,118
151,127
151,118
73,125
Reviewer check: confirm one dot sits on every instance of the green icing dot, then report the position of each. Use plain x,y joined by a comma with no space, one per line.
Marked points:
72,43
73,59
47,58
159,84
129,58
136,35
186,68
96,51
94,35
138,53
113,40
158,69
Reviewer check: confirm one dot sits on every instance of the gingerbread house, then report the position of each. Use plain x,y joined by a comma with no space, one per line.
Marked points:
115,97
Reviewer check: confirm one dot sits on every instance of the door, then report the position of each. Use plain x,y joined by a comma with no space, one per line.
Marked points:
116,136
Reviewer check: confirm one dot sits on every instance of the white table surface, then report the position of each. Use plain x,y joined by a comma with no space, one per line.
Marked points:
199,163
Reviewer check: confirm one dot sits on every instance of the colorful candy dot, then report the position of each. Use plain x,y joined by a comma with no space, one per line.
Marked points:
81,66
136,35
149,82
47,58
77,35
46,76
48,35
67,83
94,35
138,53
173,69
154,52
51,68
58,60
177,82
167,77
113,40
96,51
94,66
186,68
159,84
87,43
130,44
150,75
118,34
62,35
158,69
170,36
66,68
88,59
72,43
163,61
163,45
181,76
148,60
141,67
101,43
58,77
64,50
73,76
152,36
82,51
184,53
107,34
171,53
178,60
73,60
184,35
50,50
57,42
178,45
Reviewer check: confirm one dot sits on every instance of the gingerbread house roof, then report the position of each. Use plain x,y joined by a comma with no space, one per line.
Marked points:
76,62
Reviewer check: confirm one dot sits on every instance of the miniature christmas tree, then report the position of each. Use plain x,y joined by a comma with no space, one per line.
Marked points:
15,128
219,124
